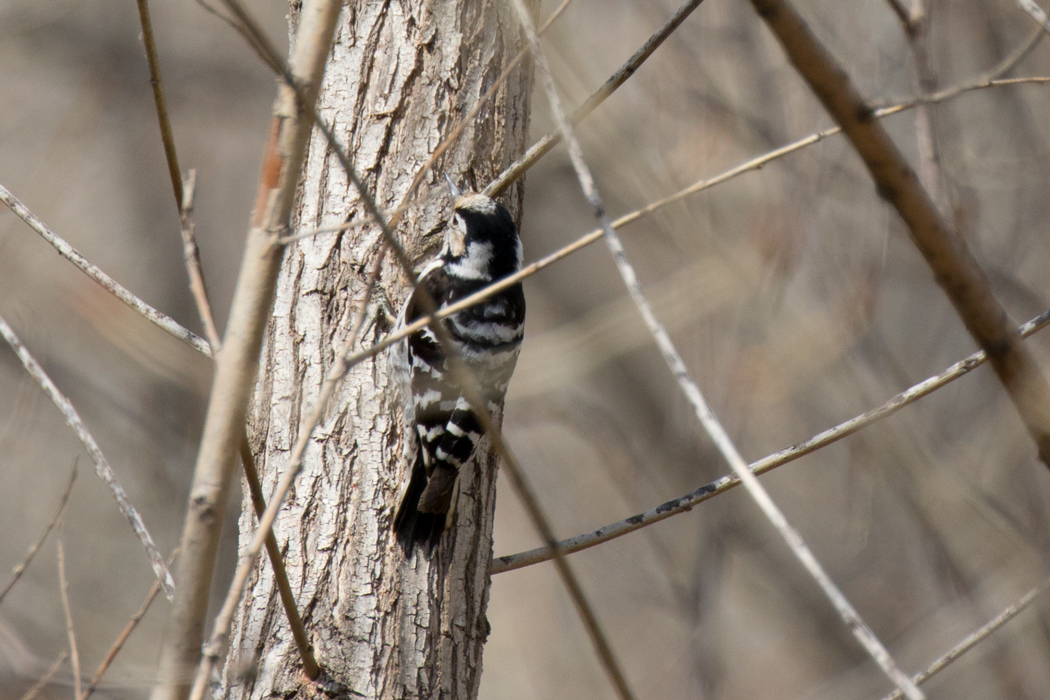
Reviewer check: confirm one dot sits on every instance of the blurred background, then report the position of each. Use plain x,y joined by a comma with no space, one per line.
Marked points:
793,293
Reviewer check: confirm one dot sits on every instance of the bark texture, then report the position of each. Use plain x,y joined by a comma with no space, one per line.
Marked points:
401,75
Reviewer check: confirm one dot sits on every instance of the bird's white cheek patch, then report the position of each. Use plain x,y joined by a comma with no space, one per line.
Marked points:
475,264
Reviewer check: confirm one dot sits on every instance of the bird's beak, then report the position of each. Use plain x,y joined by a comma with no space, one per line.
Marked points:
456,192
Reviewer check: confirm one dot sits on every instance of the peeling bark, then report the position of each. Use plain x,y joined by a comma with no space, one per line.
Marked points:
401,75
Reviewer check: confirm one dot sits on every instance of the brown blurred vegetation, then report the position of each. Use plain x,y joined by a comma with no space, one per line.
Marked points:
793,293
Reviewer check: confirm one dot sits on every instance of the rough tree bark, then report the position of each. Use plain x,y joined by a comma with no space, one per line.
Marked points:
401,75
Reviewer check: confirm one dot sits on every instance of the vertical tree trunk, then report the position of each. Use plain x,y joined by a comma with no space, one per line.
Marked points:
401,75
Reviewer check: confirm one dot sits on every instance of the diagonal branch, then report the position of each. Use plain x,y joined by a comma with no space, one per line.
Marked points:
200,297
722,484
157,318
118,644
46,678
953,266
102,467
237,364
192,256
988,80
544,145
975,637
71,635
155,82
1037,13
21,568
689,387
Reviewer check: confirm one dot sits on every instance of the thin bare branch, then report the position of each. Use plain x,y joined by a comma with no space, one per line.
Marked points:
157,318
158,99
392,215
931,174
200,297
1018,54
688,501
280,574
850,617
975,637
264,49
21,568
1036,13
192,255
237,364
102,467
544,145
457,130
125,633
594,236
46,678
63,588
947,254
541,522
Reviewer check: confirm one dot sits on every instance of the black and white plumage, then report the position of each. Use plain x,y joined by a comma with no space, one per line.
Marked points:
481,246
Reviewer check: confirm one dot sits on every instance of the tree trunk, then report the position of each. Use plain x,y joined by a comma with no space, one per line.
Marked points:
401,76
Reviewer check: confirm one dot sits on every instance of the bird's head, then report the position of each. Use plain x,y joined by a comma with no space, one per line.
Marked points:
481,241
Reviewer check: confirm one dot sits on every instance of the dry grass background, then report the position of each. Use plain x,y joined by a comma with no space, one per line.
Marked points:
793,293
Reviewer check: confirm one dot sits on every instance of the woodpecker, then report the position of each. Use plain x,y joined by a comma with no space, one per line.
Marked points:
481,246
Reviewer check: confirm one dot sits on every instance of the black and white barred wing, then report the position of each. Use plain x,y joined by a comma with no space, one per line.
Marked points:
487,339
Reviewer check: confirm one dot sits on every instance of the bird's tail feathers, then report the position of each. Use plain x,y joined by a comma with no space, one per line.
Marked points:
412,526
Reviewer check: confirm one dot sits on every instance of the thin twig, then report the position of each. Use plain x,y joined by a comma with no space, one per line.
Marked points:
256,39
598,639
158,98
691,389
686,502
216,644
457,130
46,678
280,574
102,467
544,145
192,255
1036,13
200,297
916,32
157,318
125,633
63,588
1017,55
237,363
975,637
393,215
596,235
21,568
949,258
988,80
